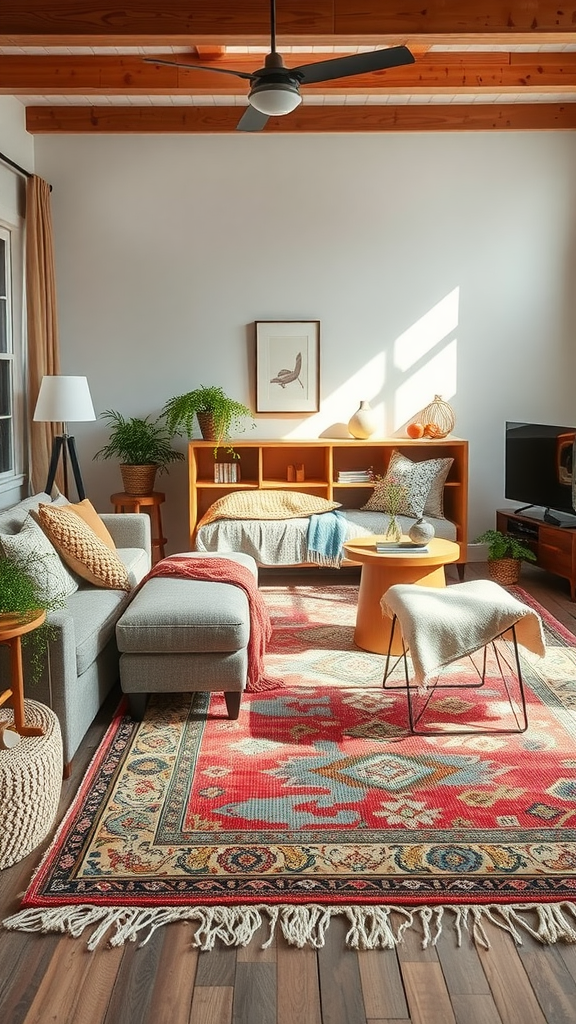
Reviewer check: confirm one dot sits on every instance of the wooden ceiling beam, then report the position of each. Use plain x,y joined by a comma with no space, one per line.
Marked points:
446,17
145,22
209,53
433,72
209,120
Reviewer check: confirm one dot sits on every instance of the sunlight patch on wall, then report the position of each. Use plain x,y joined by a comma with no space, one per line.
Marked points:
438,376
337,408
432,328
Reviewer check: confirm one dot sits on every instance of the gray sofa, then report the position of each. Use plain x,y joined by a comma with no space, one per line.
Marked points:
82,663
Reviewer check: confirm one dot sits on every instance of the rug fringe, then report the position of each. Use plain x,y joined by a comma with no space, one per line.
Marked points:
371,927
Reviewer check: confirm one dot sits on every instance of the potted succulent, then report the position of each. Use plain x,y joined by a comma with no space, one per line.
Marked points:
217,414
143,446
505,556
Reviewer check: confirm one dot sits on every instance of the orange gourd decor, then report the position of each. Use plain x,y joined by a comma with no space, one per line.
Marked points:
438,418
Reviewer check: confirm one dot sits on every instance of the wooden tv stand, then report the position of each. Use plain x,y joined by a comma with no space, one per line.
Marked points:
554,546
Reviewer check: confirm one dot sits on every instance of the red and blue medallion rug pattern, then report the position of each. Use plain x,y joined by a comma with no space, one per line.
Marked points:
318,800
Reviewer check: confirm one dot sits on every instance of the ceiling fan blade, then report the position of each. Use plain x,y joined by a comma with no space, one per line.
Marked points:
355,64
197,67
252,120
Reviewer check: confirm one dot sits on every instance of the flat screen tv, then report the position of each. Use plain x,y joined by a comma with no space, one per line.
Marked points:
539,467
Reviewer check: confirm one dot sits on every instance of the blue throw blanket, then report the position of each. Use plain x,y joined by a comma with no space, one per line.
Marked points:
326,534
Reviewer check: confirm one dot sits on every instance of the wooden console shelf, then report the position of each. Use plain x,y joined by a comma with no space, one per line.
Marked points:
265,464
554,546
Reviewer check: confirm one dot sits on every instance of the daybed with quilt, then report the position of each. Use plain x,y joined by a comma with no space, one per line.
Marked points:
283,527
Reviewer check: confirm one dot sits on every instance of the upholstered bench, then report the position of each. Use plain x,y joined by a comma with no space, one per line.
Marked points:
186,635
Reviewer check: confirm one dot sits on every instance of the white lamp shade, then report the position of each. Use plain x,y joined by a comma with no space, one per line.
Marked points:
64,400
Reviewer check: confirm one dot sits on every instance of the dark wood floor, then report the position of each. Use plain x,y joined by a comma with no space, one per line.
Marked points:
52,979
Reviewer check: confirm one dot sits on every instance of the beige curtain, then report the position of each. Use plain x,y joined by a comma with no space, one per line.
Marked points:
43,347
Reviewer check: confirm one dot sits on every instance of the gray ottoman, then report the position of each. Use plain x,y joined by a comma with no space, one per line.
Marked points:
181,635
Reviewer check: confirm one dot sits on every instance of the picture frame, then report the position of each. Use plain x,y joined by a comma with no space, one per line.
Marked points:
287,366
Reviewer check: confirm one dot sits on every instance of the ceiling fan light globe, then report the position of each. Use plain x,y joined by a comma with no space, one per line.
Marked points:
275,98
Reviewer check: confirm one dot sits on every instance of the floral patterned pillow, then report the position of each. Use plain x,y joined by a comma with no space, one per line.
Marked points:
34,553
406,488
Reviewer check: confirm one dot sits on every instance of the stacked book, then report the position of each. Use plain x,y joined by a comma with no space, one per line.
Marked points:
226,473
354,476
405,546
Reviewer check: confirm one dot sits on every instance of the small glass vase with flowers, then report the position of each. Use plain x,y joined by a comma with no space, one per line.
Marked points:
395,495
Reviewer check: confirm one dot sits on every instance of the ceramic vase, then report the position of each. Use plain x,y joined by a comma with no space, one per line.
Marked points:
421,532
363,423
393,530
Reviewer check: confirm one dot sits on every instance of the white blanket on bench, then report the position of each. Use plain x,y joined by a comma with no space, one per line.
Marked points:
445,624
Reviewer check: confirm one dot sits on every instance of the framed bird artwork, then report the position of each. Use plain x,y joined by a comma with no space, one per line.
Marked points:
287,366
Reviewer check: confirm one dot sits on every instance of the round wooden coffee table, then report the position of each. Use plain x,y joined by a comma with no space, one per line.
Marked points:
383,570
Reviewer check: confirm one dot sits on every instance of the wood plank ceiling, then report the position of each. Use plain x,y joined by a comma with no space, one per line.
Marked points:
78,66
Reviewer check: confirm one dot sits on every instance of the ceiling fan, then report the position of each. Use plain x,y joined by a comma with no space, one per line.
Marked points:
275,89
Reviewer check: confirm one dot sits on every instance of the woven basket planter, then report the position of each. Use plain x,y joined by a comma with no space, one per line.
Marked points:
505,571
207,426
138,480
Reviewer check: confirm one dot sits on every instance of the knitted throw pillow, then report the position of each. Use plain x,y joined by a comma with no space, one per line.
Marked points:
267,505
82,549
88,513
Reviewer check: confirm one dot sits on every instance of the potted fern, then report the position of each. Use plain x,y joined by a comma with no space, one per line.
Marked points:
218,415
505,556
20,599
143,447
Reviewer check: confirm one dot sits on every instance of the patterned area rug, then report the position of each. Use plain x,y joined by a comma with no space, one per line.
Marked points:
317,801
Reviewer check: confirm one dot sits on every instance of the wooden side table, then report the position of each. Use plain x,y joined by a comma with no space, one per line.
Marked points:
383,570
12,628
150,503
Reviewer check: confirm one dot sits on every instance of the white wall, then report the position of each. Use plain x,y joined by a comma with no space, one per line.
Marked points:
15,141
435,263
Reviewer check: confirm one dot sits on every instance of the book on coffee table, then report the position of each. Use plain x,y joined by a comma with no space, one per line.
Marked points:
405,546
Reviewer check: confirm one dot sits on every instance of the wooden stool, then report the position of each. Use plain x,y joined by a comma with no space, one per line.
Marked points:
123,502
12,627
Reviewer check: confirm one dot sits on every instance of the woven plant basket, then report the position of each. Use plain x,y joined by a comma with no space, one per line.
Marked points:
138,480
207,426
505,571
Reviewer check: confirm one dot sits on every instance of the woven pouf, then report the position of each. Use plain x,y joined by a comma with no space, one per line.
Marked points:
30,784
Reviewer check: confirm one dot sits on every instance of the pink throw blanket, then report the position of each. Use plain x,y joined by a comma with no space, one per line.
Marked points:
224,570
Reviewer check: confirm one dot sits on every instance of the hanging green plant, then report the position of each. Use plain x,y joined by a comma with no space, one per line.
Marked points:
217,415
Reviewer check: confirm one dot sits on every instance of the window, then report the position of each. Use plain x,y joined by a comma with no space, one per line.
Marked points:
6,359
13,437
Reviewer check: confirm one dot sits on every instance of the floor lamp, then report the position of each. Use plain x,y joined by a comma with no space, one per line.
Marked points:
63,400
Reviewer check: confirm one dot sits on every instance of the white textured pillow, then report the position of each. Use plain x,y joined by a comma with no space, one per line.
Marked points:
34,553
417,479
